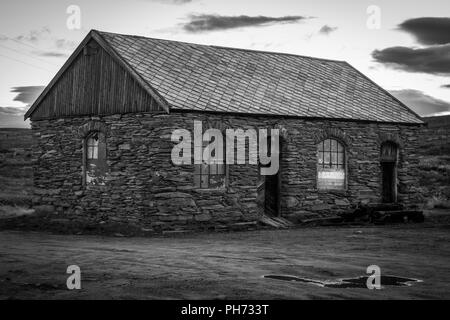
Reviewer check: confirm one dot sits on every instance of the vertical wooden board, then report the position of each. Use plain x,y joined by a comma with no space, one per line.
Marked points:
94,85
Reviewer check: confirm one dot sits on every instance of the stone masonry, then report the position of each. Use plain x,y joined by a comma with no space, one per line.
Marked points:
144,188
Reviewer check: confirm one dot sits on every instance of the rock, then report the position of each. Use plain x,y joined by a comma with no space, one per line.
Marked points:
320,207
291,202
202,217
341,202
44,209
172,195
124,146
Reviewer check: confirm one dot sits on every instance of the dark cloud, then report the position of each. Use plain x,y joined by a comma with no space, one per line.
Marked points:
11,117
209,22
433,60
421,103
326,29
27,94
51,54
428,30
446,86
17,111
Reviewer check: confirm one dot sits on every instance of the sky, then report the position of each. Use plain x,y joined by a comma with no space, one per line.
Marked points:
403,46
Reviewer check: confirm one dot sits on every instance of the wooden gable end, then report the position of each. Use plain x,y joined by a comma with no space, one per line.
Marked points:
94,84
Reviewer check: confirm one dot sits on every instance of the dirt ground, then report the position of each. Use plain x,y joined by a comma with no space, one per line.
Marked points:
227,265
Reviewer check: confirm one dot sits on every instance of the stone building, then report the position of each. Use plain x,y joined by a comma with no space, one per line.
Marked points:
102,130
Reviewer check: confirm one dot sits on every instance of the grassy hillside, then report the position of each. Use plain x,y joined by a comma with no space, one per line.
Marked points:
435,161
15,167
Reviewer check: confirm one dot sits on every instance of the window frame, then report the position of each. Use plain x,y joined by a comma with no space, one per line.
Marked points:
199,187
86,146
199,167
91,149
345,164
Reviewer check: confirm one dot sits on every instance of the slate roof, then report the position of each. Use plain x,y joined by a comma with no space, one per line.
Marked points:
210,78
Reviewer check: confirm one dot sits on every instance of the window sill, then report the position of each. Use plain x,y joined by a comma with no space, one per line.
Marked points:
95,187
335,191
212,190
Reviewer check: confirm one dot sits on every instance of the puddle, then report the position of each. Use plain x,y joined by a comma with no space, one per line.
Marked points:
361,282
292,278
358,282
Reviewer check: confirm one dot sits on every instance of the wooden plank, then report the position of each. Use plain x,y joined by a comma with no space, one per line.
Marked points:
96,84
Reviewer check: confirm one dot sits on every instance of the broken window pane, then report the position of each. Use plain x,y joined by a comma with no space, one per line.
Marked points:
209,176
95,169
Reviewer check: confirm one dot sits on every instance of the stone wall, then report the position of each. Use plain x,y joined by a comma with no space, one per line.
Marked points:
144,188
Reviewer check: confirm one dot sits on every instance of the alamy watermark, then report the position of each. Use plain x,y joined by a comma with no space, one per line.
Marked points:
262,145
374,19
374,280
74,280
73,21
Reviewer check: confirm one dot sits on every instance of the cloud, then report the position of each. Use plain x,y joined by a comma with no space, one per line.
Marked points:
428,30
173,1
34,35
420,102
446,86
433,60
439,114
17,111
65,44
210,22
43,38
51,54
326,29
27,94
11,117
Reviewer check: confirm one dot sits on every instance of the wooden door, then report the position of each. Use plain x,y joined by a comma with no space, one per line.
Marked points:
388,182
271,195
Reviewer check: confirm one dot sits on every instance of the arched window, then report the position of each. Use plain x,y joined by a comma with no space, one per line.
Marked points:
95,158
331,173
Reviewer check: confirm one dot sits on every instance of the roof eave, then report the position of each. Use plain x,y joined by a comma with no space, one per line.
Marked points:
174,108
389,94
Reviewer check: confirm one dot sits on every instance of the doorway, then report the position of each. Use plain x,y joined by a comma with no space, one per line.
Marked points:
389,153
388,182
272,195
269,188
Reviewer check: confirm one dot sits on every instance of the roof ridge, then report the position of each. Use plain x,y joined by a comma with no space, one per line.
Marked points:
226,48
